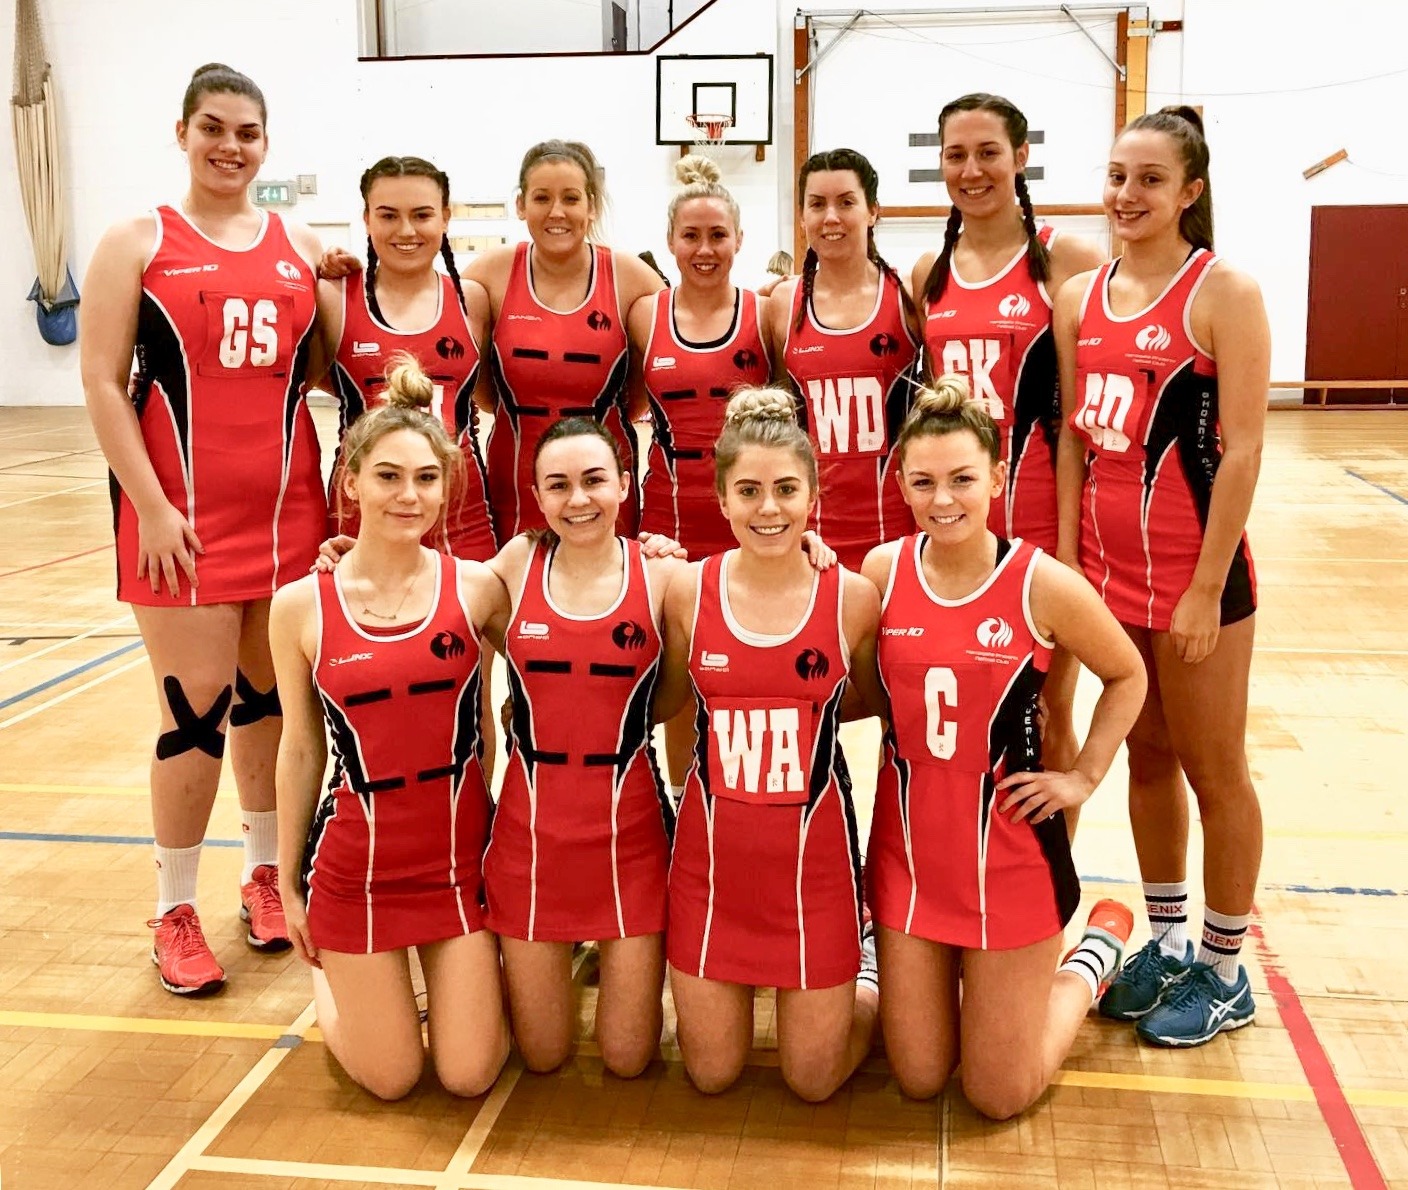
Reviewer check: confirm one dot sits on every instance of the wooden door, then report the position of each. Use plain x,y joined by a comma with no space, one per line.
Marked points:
1357,316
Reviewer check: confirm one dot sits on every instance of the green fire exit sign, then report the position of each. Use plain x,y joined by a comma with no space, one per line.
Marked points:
274,194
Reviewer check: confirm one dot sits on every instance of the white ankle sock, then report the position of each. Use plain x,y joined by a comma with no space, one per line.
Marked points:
1167,907
1094,960
260,829
176,869
1221,947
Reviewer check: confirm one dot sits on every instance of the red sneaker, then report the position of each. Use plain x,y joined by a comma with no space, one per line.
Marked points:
1112,922
261,907
184,962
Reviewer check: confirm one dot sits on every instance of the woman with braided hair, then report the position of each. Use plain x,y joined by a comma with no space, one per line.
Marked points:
403,303
986,298
847,337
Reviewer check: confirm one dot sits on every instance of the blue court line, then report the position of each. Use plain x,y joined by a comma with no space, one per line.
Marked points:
72,673
1341,890
1386,491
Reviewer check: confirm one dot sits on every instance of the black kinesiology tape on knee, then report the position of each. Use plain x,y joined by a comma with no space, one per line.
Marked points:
192,731
253,704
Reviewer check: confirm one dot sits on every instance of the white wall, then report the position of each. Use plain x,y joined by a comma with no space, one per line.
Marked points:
331,115
493,26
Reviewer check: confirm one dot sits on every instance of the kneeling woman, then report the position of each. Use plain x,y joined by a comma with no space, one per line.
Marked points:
969,866
387,648
765,879
581,837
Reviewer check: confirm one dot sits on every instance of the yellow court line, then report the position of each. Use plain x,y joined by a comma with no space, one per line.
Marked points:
94,790
251,1166
1152,1083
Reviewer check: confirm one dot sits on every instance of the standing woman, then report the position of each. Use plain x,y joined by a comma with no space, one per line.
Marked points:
386,649
986,300
697,343
217,494
765,878
559,308
581,838
402,302
847,338
1165,358
969,864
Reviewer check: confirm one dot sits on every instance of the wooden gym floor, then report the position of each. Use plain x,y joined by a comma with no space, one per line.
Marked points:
106,1080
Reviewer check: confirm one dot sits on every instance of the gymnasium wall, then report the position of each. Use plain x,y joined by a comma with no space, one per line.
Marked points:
1250,64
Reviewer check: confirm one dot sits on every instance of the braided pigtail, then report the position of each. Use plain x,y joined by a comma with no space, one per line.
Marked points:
873,254
372,304
1038,258
809,267
448,256
937,280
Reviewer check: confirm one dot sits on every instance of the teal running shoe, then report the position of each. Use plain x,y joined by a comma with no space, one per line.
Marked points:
1142,981
1199,1008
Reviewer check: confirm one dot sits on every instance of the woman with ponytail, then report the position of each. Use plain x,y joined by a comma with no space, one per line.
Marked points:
986,301
403,303
969,865
846,336
765,877
386,649
217,494
1165,359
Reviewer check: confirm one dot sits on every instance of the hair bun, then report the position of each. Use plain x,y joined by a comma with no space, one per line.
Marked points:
946,394
696,168
407,385
211,68
760,405
1183,111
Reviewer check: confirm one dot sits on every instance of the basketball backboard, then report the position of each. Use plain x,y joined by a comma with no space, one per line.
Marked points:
737,85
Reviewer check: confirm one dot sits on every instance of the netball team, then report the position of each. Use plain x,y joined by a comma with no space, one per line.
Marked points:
928,497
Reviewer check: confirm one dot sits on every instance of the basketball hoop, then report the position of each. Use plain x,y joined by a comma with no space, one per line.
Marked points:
709,128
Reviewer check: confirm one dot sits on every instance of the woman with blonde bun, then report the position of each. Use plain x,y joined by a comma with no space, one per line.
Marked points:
969,867
387,650
765,877
697,343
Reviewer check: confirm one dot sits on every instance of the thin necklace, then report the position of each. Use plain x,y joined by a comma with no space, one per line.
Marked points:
366,611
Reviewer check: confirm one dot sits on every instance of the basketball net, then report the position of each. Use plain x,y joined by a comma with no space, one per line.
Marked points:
709,128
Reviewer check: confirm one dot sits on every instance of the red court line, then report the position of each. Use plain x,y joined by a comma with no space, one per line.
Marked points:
1344,1127
56,561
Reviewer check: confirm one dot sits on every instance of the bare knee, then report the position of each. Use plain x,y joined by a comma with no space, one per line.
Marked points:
811,1078
999,1097
712,1076
544,1055
920,1079
391,1080
472,1077
1152,759
626,1057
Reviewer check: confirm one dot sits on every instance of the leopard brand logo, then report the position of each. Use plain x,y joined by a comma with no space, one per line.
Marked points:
446,645
628,635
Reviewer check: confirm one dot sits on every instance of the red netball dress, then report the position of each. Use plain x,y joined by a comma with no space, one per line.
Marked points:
855,387
393,856
447,351
764,882
548,364
998,334
1146,406
222,348
688,385
962,677
580,844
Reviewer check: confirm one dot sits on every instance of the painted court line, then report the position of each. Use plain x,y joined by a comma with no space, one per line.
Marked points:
1386,491
67,694
243,1092
1330,1095
165,1027
82,487
55,561
485,1119
59,679
65,642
